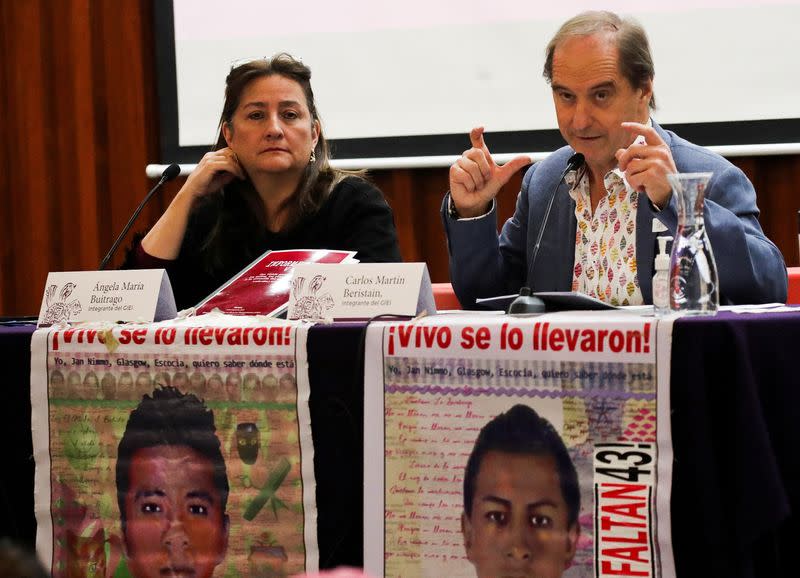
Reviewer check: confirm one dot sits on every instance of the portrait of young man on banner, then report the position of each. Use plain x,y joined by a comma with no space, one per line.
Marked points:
171,456
521,498
172,488
518,460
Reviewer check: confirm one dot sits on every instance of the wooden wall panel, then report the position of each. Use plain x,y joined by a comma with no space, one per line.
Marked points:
777,183
74,157
78,108
26,143
5,161
399,191
126,103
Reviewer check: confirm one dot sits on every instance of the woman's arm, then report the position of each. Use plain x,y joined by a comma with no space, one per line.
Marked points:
215,170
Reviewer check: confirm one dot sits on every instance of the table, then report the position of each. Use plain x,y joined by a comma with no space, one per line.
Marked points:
736,483
17,520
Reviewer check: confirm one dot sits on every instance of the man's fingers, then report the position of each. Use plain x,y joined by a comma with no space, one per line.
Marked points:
635,167
650,135
623,157
634,152
476,138
473,171
478,157
476,172
505,172
460,177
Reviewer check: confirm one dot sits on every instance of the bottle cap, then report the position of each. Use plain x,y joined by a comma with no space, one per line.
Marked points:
662,259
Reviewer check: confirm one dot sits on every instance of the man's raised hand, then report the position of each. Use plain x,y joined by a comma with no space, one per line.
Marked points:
475,179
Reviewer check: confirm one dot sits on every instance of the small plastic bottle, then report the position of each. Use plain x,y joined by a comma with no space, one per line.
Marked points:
661,304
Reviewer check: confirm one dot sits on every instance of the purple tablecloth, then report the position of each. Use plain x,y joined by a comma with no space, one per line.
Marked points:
736,434
17,519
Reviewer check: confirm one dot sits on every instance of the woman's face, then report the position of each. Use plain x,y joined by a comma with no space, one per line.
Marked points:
272,130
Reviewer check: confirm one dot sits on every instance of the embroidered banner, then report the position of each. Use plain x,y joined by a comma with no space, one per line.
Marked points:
517,446
174,449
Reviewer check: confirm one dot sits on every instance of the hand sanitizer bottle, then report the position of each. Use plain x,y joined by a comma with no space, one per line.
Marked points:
661,304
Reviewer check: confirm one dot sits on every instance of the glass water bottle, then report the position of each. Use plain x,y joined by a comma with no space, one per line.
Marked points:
693,273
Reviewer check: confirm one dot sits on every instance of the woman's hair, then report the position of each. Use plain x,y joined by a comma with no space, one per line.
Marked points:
318,177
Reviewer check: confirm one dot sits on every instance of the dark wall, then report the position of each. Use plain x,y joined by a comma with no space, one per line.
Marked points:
79,119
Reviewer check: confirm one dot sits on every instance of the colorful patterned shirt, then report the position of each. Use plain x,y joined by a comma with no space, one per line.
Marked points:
605,242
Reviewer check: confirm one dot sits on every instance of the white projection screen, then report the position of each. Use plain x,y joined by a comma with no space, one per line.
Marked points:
409,78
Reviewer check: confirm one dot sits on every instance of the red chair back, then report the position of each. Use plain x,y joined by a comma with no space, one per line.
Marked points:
444,297
794,285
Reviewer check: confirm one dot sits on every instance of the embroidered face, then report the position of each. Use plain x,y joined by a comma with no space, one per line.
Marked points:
109,385
214,386
175,522
233,386
518,523
180,381
197,383
250,387
248,442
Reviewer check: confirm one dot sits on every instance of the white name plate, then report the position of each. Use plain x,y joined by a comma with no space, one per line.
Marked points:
130,295
359,291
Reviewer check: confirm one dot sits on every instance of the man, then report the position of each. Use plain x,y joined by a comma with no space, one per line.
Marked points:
521,499
600,239
172,488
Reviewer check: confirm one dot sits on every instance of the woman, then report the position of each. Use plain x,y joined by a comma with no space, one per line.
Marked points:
267,185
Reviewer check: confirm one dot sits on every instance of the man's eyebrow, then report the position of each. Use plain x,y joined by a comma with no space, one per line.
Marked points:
604,84
530,506
149,494
201,495
497,500
540,503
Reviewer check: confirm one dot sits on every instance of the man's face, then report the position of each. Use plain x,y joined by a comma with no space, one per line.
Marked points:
518,524
592,98
175,523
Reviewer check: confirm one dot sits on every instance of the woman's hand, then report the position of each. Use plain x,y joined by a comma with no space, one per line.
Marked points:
215,170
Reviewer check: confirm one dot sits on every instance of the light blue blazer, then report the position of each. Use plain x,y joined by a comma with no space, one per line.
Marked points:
485,264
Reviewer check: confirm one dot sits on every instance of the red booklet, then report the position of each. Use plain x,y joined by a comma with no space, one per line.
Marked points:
262,288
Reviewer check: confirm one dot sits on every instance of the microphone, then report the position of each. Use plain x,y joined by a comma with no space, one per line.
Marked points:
532,303
573,163
169,173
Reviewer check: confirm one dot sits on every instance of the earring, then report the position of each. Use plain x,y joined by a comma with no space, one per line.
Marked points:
313,158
